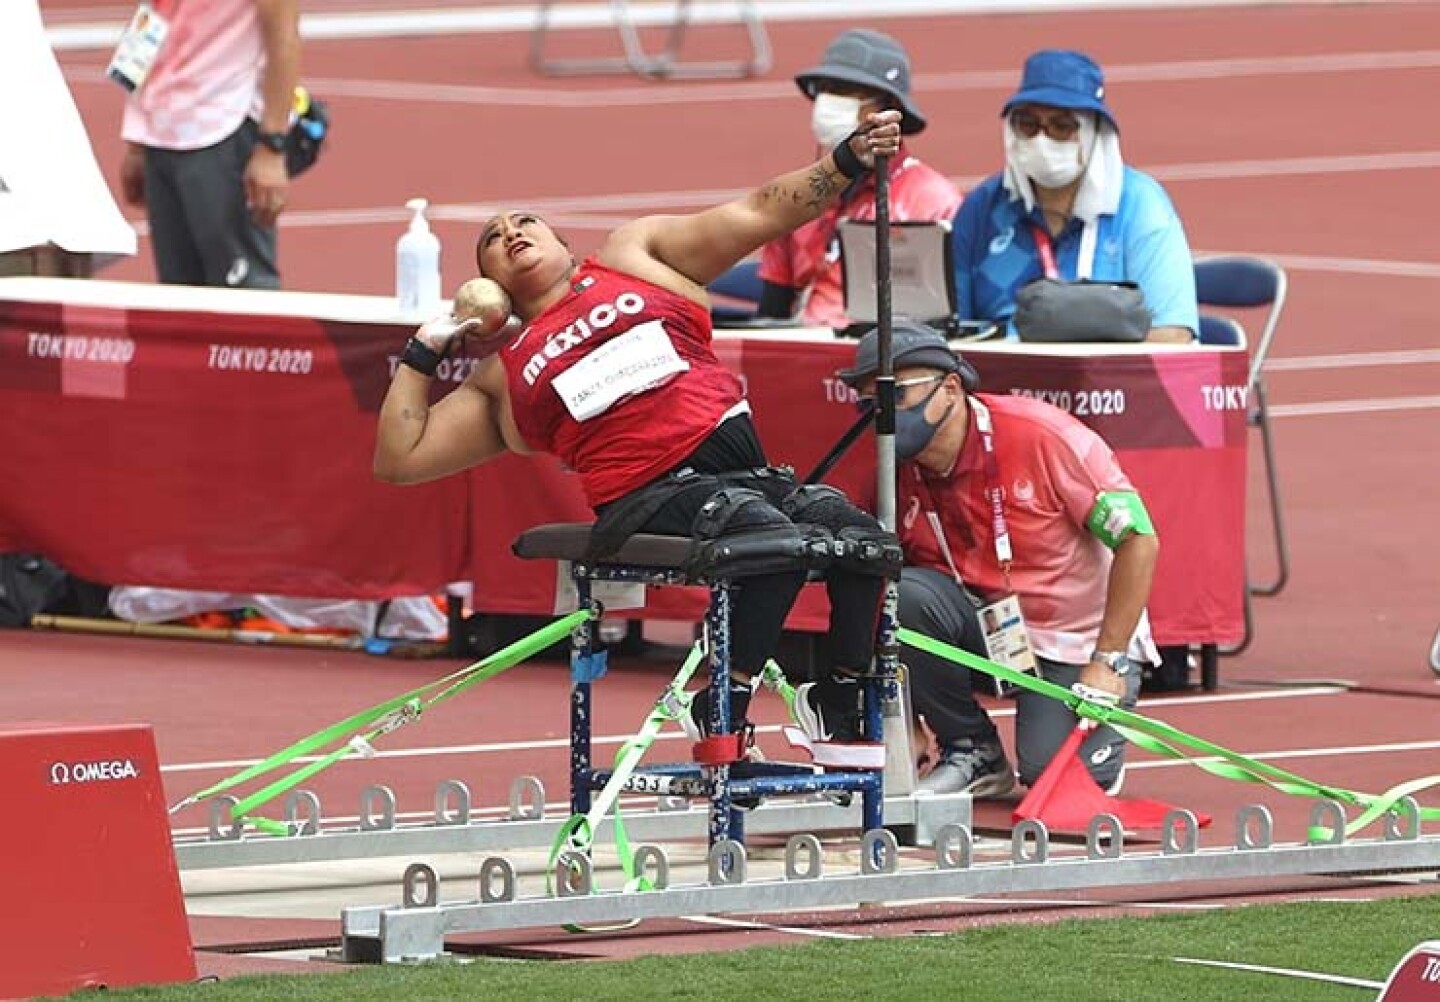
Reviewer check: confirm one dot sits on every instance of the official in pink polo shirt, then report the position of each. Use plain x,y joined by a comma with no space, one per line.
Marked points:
1005,502
206,133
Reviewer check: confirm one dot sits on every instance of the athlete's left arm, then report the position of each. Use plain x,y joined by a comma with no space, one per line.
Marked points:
686,253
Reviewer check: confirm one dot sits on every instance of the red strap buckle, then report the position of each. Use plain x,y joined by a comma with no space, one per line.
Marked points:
722,749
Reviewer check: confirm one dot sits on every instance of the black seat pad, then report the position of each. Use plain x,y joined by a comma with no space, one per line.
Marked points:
571,541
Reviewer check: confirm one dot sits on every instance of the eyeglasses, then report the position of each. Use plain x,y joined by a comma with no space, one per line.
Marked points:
867,402
1027,125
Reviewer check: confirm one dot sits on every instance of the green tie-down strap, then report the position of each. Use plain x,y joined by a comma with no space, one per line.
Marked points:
1162,739
578,833
354,735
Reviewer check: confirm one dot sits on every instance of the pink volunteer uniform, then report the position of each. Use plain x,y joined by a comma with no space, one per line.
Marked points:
1052,469
206,78
646,346
809,258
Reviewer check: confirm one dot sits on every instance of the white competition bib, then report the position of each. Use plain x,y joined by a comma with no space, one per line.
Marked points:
138,47
640,359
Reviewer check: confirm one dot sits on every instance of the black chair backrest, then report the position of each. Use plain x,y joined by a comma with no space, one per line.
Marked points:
1237,282
1221,332
1242,282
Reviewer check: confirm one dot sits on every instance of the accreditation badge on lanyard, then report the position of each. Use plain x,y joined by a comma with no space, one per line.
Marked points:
139,46
1007,638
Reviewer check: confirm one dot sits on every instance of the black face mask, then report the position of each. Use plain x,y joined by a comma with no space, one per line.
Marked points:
912,432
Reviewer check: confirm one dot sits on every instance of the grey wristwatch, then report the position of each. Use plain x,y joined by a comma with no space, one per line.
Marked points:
1116,661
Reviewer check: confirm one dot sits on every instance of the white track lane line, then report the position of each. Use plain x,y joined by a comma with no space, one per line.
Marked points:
1334,979
674,735
1369,405
1395,748
767,927
1355,360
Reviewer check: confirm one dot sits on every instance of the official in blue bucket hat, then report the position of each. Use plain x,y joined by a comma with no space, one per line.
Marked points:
1067,207
1062,78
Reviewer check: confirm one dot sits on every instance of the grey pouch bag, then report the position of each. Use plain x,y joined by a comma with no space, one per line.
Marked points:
1049,310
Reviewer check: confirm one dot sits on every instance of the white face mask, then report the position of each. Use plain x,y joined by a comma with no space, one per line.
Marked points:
833,118
1048,163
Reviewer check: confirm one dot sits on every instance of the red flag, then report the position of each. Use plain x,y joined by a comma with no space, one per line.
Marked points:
1065,798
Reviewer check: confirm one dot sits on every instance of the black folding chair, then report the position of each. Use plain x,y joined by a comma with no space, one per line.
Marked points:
1242,282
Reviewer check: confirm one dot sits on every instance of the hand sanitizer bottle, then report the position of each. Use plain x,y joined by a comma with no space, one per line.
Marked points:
417,265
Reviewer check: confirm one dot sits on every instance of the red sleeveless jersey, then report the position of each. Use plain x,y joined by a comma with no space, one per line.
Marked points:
619,380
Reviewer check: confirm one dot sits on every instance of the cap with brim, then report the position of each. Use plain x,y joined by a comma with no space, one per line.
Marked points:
1062,78
868,59
912,345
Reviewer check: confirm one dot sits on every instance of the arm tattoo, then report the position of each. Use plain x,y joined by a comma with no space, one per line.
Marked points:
415,415
819,187
823,187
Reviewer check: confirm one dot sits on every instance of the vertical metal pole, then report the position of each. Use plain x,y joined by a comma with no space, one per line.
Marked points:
895,716
582,647
722,818
885,379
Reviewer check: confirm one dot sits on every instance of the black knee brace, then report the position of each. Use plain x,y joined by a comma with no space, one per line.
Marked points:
739,533
823,505
861,545
869,551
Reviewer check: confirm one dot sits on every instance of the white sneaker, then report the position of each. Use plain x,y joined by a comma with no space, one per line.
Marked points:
827,715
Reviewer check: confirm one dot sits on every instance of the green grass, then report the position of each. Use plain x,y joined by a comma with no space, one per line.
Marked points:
1095,960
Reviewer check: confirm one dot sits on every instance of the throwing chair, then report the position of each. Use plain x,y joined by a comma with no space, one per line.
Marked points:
721,773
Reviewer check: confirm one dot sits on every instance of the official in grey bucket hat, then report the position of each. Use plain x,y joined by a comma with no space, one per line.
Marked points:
912,344
1062,78
870,59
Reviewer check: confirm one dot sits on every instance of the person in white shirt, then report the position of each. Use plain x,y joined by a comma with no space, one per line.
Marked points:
57,216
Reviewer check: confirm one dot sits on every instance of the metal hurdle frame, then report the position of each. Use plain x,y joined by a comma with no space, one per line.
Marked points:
665,64
417,929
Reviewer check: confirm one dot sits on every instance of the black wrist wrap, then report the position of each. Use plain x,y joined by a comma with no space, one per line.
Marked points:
846,162
420,357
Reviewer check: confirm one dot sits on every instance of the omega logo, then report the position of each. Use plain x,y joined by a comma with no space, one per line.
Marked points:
64,773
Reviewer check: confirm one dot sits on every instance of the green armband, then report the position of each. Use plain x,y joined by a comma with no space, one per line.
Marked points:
1116,515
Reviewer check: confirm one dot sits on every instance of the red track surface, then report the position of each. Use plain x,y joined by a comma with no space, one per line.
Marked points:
1359,487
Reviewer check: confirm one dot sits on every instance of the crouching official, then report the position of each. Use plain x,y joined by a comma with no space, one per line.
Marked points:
1024,543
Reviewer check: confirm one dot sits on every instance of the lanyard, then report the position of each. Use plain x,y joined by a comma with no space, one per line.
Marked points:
1045,247
1084,263
993,490
994,493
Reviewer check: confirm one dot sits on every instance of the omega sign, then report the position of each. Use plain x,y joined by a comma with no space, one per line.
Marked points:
63,773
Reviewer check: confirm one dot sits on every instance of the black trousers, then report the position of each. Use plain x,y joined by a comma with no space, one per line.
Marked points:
200,227
944,693
761,603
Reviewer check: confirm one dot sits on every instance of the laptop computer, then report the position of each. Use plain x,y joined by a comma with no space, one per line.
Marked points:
922,277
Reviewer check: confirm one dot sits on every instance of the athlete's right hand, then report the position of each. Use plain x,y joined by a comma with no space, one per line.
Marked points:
442,334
